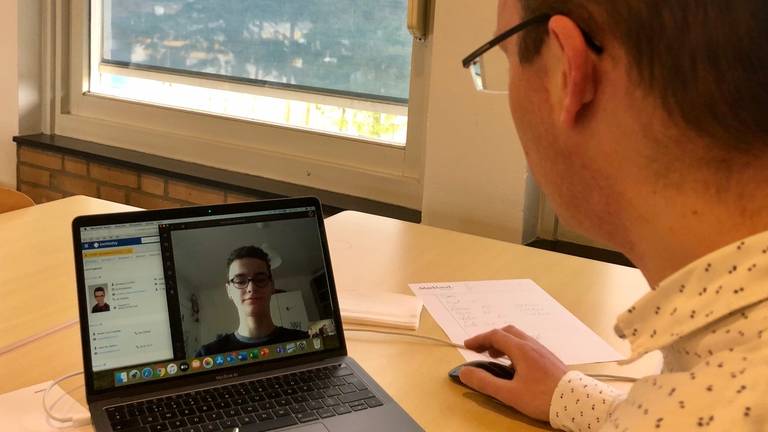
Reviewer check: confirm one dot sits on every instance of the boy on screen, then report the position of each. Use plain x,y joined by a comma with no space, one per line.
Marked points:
101,300
250,287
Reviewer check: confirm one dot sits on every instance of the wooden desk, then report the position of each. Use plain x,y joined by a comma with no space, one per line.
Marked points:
368,252
37,291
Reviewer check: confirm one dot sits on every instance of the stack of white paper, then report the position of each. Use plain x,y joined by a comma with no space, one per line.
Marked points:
380,309
465,309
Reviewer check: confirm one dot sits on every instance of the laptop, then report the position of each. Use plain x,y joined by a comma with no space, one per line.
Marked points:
219,318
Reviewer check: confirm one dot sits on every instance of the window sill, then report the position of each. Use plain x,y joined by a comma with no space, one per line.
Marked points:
219,178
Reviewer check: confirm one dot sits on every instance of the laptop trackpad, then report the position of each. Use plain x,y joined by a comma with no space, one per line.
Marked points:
314,427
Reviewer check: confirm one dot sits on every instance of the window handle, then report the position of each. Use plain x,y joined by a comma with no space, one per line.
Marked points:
418,12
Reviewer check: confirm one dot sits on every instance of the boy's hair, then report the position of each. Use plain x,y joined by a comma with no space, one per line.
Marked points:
250,252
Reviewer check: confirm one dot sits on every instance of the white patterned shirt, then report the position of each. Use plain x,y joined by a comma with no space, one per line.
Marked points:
710,321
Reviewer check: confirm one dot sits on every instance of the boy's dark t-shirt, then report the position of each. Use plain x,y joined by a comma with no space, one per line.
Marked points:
100,308
232,342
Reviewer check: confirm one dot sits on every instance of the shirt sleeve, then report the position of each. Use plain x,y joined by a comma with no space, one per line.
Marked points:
581,403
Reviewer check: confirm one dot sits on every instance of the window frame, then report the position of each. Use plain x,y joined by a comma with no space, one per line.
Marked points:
351,166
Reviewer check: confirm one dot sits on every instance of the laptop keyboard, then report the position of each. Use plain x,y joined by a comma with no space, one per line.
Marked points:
258,405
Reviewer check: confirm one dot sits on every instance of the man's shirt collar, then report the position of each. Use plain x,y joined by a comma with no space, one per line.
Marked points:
706,290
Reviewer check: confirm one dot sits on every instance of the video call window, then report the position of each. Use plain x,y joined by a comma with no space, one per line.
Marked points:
246,282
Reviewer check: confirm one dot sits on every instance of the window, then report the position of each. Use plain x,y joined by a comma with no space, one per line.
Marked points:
340,66
329,94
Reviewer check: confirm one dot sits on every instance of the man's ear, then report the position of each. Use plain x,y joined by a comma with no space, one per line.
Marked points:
577,78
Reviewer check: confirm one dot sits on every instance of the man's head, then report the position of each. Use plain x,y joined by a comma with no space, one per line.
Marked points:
249,280
101,295
676,103
701,59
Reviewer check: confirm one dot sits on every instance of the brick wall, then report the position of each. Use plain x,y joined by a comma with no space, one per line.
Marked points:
47,175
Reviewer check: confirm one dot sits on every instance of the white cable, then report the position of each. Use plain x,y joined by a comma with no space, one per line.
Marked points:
429,338
449,343
71,421
18,344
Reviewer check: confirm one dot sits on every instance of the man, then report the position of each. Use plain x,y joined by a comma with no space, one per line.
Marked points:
646,124
250,287
101,304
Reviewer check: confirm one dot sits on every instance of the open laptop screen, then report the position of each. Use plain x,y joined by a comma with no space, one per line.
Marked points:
177,297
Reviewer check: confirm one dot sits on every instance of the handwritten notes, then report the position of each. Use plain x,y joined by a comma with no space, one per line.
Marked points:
464,309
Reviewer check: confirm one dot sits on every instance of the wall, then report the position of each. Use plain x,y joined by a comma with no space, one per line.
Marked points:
475,172
9,111
49,175
30,76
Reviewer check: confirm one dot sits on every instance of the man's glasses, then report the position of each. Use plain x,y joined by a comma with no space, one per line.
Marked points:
260,280
489,67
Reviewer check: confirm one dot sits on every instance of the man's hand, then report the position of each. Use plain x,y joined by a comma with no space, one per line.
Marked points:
537,371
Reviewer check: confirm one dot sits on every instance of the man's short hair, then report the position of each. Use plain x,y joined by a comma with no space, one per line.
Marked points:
705,61
250,252
99,289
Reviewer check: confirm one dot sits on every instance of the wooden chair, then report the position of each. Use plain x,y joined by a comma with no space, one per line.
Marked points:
13,200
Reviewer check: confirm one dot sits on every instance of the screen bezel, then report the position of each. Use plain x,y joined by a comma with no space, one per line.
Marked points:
214,375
